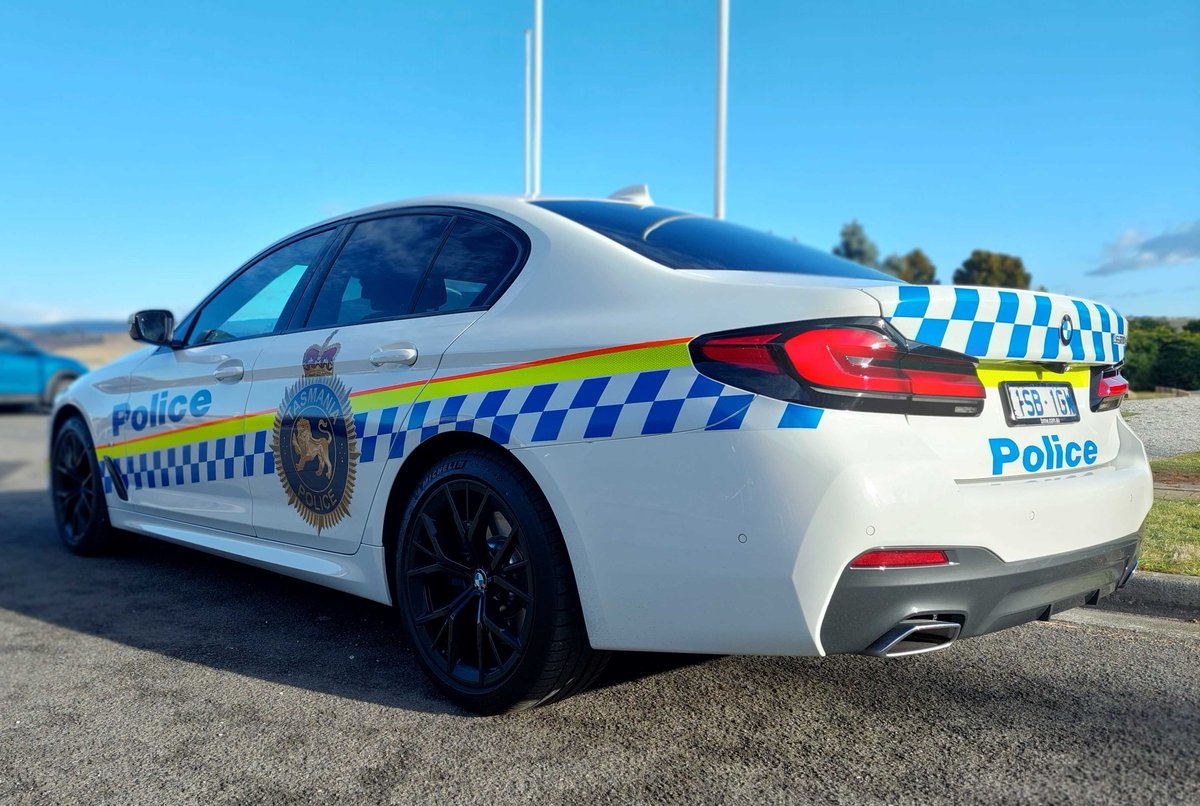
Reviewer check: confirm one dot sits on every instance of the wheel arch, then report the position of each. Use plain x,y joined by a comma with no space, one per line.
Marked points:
409,475
438,447
53,381
66,412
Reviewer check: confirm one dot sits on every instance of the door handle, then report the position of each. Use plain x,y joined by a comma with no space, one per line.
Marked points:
229,372
399,355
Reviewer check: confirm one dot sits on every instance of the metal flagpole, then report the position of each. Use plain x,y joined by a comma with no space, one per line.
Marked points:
526,152
537,97
722,75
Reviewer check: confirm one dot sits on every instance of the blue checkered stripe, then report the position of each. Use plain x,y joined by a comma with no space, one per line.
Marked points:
211,460
628,405
634,404
995,323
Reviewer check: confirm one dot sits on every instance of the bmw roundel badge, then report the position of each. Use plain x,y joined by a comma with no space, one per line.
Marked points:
1067,329
315,445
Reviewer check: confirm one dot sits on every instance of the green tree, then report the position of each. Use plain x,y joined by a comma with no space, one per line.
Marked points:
1157,355
1178,363
992,269
1141,356
856,246
915,267
1192,326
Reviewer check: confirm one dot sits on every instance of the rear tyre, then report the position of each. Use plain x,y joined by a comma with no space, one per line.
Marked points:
485,588
78,492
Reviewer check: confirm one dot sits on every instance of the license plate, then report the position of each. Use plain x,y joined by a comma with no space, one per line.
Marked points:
1039,403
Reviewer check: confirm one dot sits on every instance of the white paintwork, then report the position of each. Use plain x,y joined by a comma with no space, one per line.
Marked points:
227,504
652,523
278,369
362,574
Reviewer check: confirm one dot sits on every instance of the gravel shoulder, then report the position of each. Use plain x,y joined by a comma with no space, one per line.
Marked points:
1167,426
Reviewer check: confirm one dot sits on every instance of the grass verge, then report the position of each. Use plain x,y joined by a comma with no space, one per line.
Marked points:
1184,467
1171,538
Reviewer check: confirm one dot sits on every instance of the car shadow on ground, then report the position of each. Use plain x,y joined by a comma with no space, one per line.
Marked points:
183,603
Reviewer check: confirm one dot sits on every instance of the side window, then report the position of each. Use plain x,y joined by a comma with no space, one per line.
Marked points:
252,304
471,266
377,272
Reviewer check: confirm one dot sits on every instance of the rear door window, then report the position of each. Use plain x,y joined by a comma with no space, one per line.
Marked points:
379,270
472,265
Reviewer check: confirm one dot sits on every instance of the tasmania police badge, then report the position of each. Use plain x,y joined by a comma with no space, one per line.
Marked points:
316,449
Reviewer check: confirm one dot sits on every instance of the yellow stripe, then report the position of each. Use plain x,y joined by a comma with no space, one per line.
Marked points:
173,439
383,398
662,356
607,362
992,375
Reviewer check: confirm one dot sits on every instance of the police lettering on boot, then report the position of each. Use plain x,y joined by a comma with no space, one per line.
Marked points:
162,408
1050,454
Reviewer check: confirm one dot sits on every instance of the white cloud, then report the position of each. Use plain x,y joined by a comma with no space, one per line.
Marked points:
1132,250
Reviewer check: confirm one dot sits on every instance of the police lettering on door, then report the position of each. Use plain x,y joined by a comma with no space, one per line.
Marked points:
162,408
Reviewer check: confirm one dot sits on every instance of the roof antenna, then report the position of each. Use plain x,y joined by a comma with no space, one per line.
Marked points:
637,194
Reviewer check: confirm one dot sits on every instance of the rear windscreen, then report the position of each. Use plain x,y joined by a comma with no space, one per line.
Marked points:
687,241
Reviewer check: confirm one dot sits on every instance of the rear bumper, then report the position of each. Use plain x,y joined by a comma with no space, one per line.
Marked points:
979,590
733,542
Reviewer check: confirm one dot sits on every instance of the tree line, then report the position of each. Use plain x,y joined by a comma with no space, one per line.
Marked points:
1157,353
980,268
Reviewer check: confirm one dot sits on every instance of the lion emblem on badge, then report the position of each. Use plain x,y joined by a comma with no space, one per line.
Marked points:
314,440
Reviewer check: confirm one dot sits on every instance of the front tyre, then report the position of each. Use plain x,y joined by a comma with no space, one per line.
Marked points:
78,491
485,588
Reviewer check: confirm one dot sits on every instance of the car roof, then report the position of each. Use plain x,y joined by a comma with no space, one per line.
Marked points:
511,204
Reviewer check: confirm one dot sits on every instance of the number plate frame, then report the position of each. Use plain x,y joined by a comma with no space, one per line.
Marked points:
1015,421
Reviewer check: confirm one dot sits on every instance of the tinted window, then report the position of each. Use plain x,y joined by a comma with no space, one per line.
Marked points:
378,271
254,300
11,344
686,241
473,263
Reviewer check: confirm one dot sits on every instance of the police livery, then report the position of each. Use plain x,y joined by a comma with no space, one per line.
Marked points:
548,429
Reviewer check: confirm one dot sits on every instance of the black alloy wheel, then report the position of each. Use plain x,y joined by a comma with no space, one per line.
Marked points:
470,583
485,588
78,491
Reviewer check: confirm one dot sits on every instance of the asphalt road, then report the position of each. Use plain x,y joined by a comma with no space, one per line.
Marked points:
165,675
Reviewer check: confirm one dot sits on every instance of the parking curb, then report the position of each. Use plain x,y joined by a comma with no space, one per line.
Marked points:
1167,595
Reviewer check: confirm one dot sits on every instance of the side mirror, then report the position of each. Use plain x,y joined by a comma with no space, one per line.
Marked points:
152,327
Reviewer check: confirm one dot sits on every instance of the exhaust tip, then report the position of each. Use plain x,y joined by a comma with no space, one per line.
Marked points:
915,636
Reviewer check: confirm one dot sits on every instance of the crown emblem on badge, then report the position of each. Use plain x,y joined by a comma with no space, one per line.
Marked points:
318,358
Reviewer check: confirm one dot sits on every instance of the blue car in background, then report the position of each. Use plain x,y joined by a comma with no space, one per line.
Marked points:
28,375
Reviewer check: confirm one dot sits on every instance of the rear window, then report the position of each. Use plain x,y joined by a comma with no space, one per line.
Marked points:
687,241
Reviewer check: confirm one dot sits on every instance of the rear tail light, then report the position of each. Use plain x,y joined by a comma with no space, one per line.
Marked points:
899,558
748,351
1108,388
851,364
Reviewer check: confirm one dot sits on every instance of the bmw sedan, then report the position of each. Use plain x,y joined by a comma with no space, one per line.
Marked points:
549,429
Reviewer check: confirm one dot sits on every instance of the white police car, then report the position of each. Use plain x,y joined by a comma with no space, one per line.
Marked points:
548,429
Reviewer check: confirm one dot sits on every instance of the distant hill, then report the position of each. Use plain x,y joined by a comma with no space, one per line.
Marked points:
58,336
90,326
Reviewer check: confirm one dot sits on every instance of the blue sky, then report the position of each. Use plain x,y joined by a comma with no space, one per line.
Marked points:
147,149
